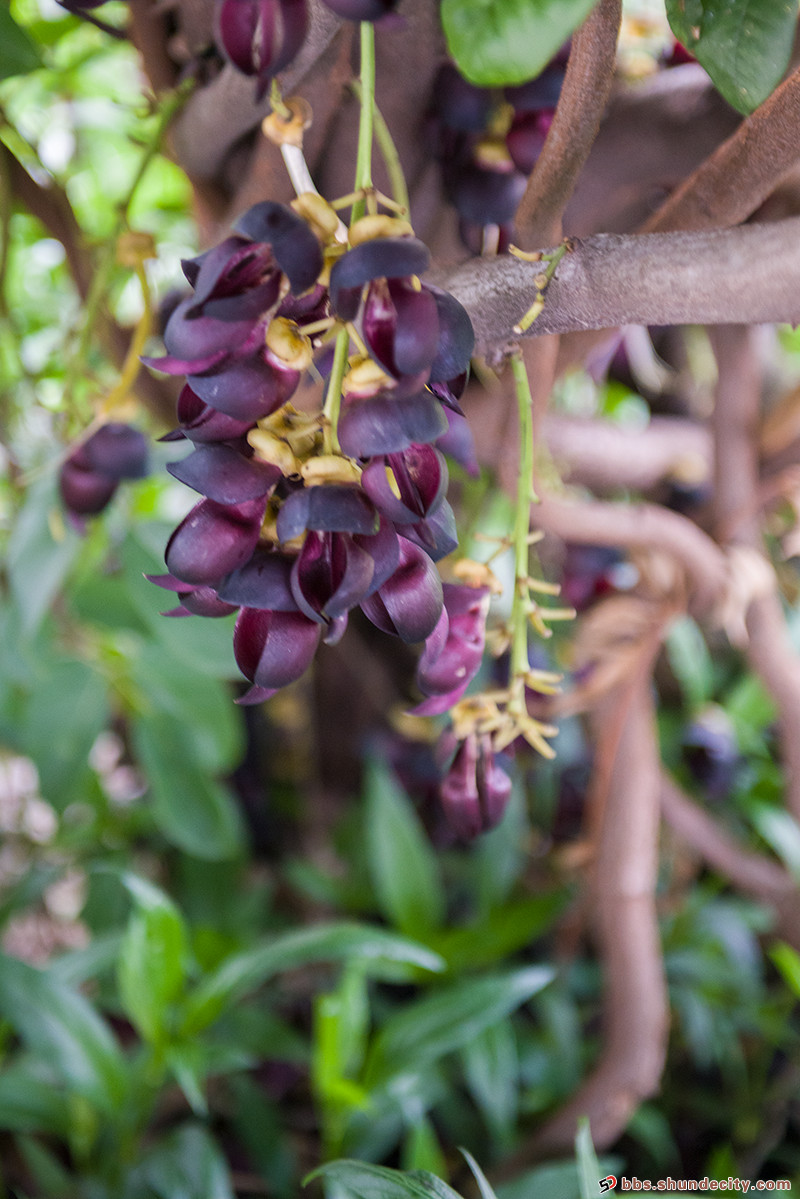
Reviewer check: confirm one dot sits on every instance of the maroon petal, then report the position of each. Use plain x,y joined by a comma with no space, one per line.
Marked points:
485,196
84,491
170,365
386,257
201,422
331,508
456,336
296,249
409,603
436,534
256,695
237,280
451,663
420,476
459,792
384,549
214,539
459,443
118,451
331,575
494,786
223,474
401,326
246,388
273,649
199,338
384,423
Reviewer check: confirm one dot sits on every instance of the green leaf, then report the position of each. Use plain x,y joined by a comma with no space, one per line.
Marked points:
245,971
690,661
481,1179
152,965
61,1027
426,1030
745,45
36,561
421,1148
28,1100
365,1181
781,831
588,1166
192,810
560,1181
495,42
787,961
404,867
18,52
491,1067
188,1165
501,933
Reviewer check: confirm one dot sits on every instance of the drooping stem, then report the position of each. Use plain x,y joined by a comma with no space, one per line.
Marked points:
525,497
333,397
363,178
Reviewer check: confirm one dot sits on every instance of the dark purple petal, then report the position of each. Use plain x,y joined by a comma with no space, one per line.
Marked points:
384,549
386,423
526,137
400,326
273,649
263,582
436,534
256,695
223,474
459,443
494,786
246,388
541,92
84,491
334,508
458,104
204,601
331,575
118,451
201,422
335,630
459,792
361,10
420,476
409,603
237,281
450,664
456,336
486,196
214,539
196,339
384,257
296,249
170,365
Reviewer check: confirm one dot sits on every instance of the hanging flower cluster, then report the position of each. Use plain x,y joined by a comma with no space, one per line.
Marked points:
306,516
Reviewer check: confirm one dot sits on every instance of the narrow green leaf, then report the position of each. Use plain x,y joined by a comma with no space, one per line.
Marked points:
421,1148
245,971
36,561
481,1179
787,961
495,42
745,45
690,661
61,1027
588,1166
491,1066
28,1100
18,52
152,966
365,1181
404,867
188,1165
504,931
192,810
437,1024
781,831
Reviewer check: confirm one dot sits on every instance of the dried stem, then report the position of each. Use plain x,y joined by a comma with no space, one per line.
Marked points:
587,85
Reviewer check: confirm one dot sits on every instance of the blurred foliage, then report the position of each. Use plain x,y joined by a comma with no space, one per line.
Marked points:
202,1015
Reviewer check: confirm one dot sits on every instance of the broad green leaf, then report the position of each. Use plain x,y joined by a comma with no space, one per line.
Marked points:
18,52
192,810
365,1181
437,1024
152,963
555,1182
37,561
745,45
421,1148
28,1100
495,42
376,949
404,867
781,831
504,931
188,1165
690,661
491,1066
58,1024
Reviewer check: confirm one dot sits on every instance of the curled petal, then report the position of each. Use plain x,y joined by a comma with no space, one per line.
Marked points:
407,486
260,37
436,534
214,539
170,365
296,249
494,786
273,649
237,281
263,582
451,663
459,792
246,388
223,474
201,422
330,576
198,600
459,443
199,338
384,257
384,550
409,603
386,423
256,695
456,336
401,326
84,491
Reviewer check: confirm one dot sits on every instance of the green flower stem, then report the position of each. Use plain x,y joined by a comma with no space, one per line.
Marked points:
365,125
388,149
333,397
525,497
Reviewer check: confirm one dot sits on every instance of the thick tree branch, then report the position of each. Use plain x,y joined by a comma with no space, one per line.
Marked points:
587,84
740,175
749,275
593,522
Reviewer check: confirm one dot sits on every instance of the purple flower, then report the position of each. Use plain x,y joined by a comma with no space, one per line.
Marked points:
475,791
90,475
454,650
273,649
409,485
361,10
261,37
214,539
331,575
409,603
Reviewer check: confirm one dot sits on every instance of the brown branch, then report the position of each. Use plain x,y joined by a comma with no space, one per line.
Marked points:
587,84
594,522
769,649
743,172
750,872
746,275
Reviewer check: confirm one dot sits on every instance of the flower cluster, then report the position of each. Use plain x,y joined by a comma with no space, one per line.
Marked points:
261,37
306,516
487,144
90,476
